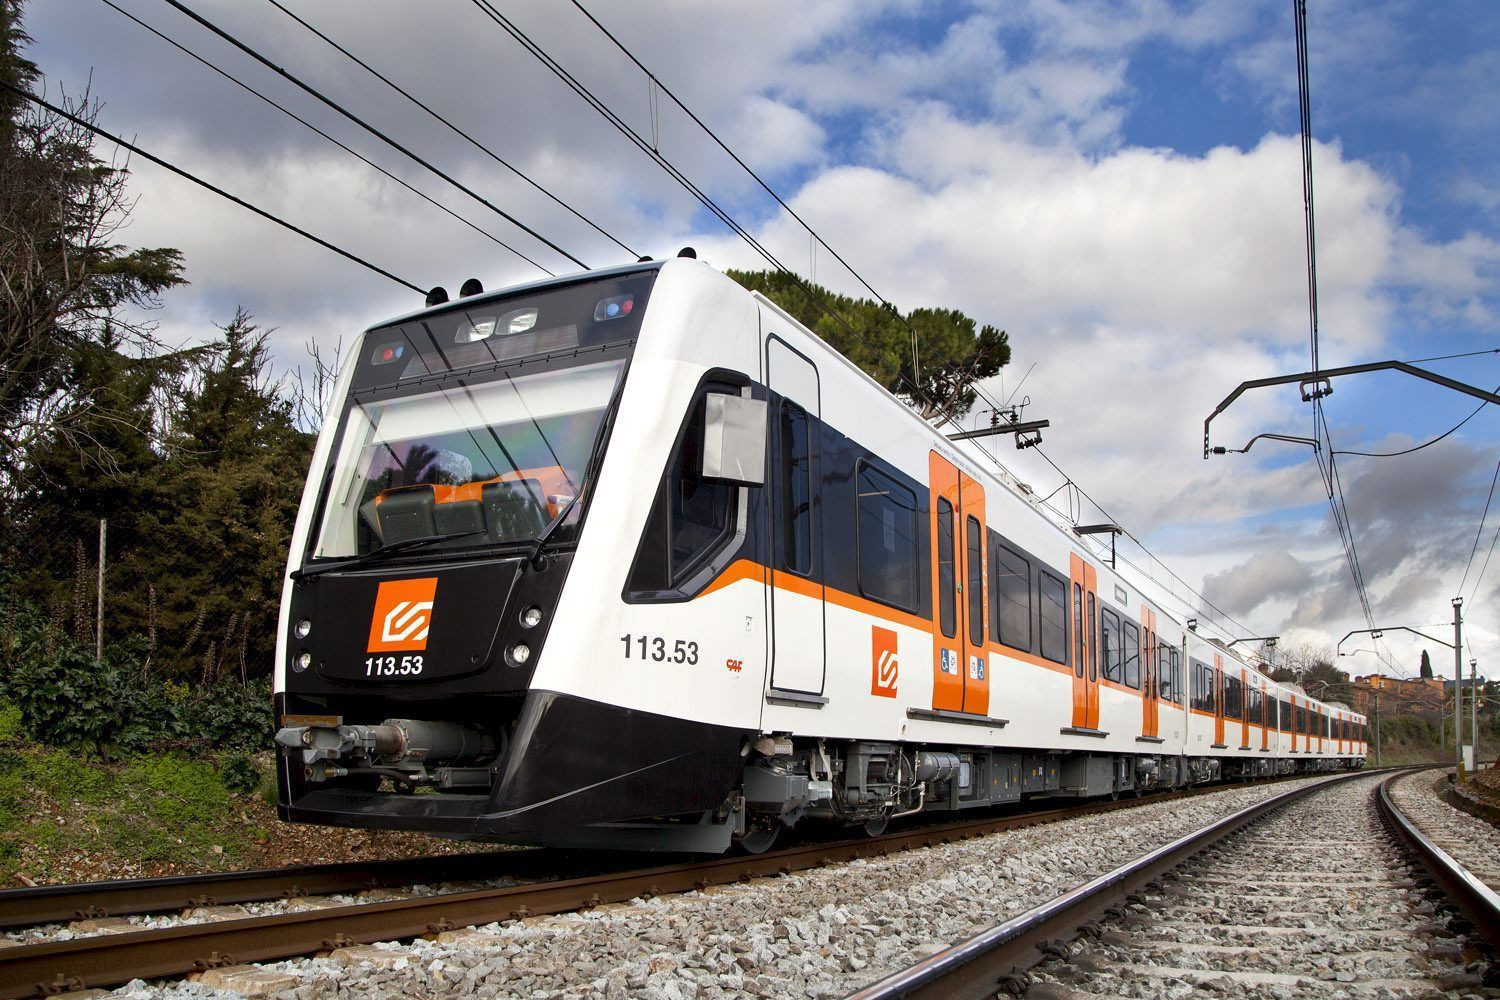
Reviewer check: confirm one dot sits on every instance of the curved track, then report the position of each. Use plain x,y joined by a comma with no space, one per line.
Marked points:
1216,910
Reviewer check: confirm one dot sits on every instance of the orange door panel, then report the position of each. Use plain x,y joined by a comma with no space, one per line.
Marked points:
1218,700
947,571
1150,674
1083,625
975,599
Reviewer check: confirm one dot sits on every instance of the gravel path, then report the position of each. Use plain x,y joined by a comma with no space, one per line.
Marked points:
1471,841
1352,922
817,933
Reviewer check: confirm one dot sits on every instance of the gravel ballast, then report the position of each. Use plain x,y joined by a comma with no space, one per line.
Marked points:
1352,919
819,933
1469,840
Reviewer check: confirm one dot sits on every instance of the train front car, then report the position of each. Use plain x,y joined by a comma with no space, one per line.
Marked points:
475,501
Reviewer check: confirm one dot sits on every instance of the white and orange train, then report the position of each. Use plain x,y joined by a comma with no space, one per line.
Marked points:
631,557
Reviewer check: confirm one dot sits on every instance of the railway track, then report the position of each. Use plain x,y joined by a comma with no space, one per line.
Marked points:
105,960
1216,910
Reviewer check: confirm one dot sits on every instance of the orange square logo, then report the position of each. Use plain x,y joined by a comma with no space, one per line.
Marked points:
884,664
403,615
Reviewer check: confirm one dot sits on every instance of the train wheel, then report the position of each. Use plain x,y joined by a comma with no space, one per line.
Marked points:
760,839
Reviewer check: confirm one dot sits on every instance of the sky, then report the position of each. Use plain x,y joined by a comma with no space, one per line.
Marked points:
1116,184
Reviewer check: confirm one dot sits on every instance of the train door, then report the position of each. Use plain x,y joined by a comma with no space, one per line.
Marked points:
797,596
1296,723
1265,719
1242,710
1083,585
1150,675
1219,743
960,667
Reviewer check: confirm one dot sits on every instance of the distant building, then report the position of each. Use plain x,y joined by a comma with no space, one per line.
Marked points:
1401,695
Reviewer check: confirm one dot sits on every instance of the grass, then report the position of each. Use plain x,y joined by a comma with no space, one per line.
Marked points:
63,806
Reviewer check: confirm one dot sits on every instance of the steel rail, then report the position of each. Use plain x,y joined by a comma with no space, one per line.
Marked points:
110,959
119,897
1477,901
978,966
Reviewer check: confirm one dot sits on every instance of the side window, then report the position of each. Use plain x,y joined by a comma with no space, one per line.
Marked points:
1010,598
1093,640
887,569
975,581
1077,630
691,519
947,610
1164,677
1111,651
794,502
1132,655
1054,615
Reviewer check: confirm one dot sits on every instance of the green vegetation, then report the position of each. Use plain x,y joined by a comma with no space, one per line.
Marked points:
955,351
168,807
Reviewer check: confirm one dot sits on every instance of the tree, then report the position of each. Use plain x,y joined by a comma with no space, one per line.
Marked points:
952,350
1426,665
66,286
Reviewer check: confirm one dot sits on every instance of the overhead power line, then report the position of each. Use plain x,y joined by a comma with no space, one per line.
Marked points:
372,130
651,149
309,125
1479,533
487,151
1425,444
137,150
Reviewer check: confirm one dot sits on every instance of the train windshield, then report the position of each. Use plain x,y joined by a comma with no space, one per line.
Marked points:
467,465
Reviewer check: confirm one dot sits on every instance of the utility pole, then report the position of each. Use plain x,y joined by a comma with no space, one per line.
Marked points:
99,606
1458,682
1474,707
1377,727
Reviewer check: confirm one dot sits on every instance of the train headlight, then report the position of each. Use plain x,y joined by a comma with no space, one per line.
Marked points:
303,661
304,627
520,653
531,617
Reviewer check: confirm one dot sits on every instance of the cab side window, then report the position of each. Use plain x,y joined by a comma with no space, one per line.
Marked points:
691,519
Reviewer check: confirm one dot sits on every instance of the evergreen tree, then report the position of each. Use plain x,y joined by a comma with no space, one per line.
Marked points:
1426,665
953,351
66,287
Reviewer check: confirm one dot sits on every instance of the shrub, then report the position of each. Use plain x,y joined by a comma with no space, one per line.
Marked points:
240,774
11,730
65,696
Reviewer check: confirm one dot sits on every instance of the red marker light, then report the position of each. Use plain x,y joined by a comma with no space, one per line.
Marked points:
627,305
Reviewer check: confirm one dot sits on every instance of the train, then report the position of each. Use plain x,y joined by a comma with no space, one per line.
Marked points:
632,559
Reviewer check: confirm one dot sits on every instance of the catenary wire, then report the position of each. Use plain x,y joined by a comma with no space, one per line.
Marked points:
1424,444
309,125
1480,531
456,130
655,154
372,130
203,183
137,150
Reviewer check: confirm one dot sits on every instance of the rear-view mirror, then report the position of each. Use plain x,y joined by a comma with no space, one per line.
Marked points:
734,439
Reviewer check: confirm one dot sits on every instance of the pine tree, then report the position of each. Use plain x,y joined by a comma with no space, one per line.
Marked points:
1426,665
67,289
953,351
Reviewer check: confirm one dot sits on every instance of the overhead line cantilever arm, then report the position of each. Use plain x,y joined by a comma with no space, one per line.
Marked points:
1008,428
1390,628
1329,373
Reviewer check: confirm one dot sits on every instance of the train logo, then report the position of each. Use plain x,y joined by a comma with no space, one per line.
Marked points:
403,615
884,663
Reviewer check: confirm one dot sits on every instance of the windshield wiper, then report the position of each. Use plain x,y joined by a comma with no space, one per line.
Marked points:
390,547
590,470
